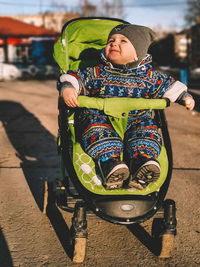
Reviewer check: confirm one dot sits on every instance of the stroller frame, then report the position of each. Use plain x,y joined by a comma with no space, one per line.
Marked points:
72,196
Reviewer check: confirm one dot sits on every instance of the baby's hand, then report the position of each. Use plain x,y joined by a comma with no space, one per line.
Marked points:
70,95
189,103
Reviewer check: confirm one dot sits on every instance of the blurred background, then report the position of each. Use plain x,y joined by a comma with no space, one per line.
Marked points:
29,29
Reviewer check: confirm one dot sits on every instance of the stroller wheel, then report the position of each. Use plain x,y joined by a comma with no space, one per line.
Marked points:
167,246
45,199
79,232
79,249
48,196
169,229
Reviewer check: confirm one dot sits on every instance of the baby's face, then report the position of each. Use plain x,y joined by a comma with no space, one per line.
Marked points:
120,50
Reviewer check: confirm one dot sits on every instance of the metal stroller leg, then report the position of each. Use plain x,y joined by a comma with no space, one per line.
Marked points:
169,229
170,217
79,232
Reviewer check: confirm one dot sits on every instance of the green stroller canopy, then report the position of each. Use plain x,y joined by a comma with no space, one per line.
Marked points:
80,43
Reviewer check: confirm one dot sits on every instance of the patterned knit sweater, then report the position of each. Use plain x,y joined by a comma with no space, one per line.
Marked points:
108,80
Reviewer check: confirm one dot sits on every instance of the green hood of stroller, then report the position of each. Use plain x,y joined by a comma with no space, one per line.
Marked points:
81,42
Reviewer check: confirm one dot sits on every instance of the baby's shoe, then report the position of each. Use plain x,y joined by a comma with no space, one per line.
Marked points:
147,173
114,172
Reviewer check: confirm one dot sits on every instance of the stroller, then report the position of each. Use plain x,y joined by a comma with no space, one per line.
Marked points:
79,189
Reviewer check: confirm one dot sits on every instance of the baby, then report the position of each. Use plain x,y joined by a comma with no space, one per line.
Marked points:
125,71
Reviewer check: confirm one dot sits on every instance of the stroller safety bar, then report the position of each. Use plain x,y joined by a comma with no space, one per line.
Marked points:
119,107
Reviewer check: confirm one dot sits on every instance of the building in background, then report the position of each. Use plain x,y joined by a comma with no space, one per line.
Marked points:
194,45
24,43
52,21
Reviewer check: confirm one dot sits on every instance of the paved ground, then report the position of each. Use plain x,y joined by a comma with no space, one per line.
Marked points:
28,112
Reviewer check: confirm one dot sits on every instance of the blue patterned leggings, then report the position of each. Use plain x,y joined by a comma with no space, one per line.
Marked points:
101,141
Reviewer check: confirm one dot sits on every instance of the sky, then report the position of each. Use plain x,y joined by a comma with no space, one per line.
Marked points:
163,13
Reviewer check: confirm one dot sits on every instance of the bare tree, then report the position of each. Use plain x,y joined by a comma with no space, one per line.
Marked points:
87,9
193,12
103,8
64,6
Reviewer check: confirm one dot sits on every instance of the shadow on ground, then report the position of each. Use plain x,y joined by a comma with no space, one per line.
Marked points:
36,148
34,145
5,257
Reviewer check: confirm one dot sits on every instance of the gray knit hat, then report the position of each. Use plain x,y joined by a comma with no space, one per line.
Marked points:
140,36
